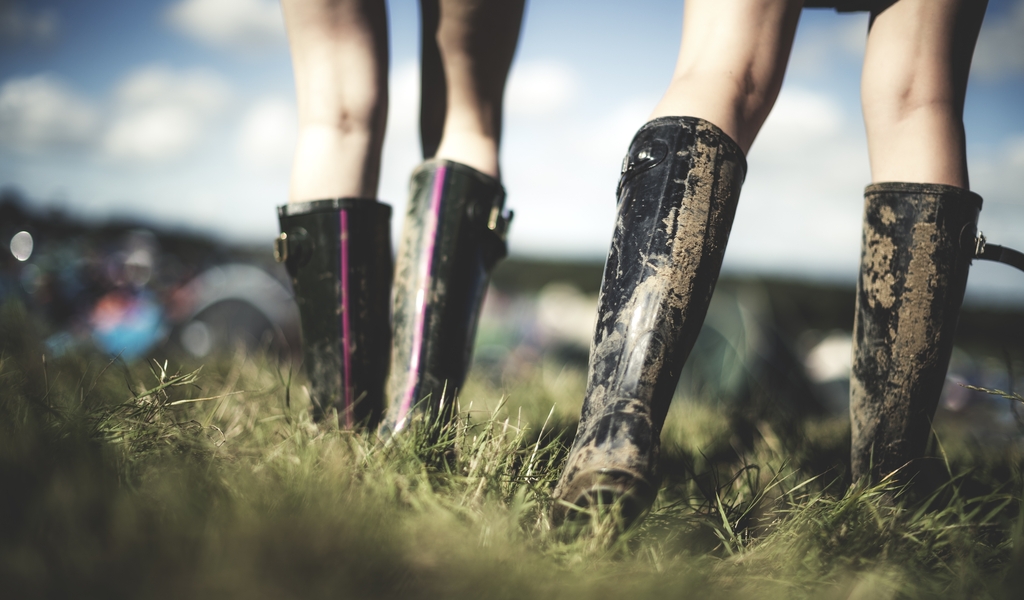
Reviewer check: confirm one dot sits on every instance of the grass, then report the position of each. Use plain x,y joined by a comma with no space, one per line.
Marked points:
170,480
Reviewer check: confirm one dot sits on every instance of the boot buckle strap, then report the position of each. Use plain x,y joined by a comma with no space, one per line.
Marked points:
499,223
979,245
996,253
293,247
281,248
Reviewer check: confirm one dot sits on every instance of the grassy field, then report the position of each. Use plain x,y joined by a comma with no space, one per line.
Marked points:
160,481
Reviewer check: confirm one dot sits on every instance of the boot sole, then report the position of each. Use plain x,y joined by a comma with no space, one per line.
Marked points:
623,494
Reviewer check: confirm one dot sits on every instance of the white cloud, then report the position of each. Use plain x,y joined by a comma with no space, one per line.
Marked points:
18,24
404,98
800,208
800,117
801,205
827,39
1000,50
156,114
852,35
609,139
42,113
200,90
236,24
267,137
540,88
161,114
997,173
152,135
1015,152
561,178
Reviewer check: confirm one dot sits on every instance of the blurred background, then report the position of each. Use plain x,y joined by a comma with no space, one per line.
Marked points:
144,146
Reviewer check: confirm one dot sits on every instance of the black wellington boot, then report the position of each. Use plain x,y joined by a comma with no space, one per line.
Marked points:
917,246
338,254
454,234
676,201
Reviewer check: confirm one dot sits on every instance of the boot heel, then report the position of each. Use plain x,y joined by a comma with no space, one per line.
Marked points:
613,465
626,495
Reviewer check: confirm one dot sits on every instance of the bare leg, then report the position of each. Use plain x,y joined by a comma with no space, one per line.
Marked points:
731,63
915,77
467,52
340,57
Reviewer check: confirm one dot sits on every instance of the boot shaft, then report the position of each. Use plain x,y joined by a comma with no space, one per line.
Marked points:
676,200
338,255
453,235
917,247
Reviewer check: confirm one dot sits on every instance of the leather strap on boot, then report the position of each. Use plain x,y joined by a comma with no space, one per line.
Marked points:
338,254
916,251
676,201
995,253
454,234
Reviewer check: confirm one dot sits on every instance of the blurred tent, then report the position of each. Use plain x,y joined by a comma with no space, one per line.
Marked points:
132,290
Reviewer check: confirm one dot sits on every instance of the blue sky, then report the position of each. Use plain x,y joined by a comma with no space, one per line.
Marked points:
182,111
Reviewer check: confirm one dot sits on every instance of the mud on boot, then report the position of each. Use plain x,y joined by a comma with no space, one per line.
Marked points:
676,200
338,255
917,247
454,234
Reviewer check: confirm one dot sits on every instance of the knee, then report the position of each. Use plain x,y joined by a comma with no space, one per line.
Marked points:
893,99
351,110
739,91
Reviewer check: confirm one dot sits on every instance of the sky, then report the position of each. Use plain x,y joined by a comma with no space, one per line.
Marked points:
182,112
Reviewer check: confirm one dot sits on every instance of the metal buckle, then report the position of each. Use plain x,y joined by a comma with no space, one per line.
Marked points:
492,220
498,223
281,248
979,245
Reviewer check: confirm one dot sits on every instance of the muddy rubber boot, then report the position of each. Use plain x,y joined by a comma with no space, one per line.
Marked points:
676,201
917,246
338,254
454,234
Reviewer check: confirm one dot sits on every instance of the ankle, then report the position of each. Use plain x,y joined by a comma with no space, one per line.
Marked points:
330,163
471,149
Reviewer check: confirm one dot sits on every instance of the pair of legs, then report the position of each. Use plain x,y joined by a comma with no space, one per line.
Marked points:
677,197
340,59
335,241
918,55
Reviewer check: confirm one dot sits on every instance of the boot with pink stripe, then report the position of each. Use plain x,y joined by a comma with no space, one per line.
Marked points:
454,234
338,254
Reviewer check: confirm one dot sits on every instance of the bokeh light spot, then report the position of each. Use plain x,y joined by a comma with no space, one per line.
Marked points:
21,245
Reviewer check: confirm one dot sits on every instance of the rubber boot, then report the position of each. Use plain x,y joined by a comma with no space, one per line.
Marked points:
917,246
454,234
676,201
338,254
